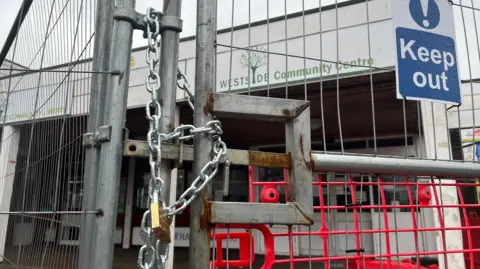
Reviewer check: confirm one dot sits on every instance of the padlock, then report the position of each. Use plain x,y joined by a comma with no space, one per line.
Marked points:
160,222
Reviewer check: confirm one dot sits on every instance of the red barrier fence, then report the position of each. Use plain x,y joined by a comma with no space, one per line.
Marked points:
420,196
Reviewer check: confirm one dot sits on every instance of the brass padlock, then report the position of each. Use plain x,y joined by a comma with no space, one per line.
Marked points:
160,223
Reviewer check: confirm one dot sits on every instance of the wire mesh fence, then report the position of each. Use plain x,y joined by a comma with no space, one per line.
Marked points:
340,56
390,179
362,221
44,107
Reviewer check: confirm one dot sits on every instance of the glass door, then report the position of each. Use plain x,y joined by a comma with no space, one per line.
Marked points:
70,227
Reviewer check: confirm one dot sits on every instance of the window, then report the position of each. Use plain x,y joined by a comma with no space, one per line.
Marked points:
456,144
368,194
277,175
391,142
337,146
464,149
272,175
238,184
395,191
344,191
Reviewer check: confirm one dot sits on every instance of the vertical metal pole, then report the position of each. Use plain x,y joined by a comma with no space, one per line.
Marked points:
199,251
98,87
172,199
172,26
168,77
112,151
127,225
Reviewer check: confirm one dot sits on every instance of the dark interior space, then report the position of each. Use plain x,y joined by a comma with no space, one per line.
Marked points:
355,105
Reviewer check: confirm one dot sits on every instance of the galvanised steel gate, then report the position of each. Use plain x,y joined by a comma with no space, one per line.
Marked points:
301,94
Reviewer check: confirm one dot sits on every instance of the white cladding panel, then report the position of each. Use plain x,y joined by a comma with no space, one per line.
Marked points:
239,69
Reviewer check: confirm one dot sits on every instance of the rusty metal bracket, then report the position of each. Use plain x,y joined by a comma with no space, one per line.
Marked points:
296,115
255,107
257,213
139,149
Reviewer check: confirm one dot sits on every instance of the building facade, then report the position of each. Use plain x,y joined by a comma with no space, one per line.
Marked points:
307,56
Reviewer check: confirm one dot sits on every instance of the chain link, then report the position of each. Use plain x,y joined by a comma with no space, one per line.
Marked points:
148,255
209,170
154,252
219,149
182,83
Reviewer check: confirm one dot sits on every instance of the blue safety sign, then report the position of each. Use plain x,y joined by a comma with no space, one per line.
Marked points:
427,67
425,13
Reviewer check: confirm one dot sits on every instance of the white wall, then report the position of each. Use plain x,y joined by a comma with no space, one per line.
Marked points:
464,115
8,160
353,40
54,97
434,124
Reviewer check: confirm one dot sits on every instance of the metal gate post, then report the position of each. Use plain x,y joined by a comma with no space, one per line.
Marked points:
111,136
170,33
199,251
98,87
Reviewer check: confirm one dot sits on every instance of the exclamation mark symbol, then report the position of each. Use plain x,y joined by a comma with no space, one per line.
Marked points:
425,12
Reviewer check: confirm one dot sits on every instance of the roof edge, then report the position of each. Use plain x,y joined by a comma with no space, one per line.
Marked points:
235,28
274,19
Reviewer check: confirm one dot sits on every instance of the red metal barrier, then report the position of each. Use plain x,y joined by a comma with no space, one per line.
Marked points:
373,264
471,239
426,196
247,254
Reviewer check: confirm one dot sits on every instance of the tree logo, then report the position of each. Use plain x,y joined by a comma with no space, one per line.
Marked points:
253,59
132,62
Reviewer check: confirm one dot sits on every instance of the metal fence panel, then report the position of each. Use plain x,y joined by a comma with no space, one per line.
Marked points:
45,80
340,57
334,60
337,169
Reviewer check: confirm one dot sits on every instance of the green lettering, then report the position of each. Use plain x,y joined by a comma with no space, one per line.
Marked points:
276,75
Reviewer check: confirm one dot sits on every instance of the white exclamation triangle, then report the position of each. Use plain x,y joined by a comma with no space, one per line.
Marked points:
425,12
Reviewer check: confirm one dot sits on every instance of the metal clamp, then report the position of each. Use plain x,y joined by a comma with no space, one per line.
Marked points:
179,161
102,134
130,15
226,177
171,23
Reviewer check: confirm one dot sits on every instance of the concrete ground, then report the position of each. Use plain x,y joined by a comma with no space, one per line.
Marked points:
124,258
67,258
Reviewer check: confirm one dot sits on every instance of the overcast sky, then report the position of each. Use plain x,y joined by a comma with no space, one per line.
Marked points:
258,11
254,10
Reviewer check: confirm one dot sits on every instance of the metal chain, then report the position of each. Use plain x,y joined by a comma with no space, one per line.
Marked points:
153,111
208,171
153,250
185,87
219,149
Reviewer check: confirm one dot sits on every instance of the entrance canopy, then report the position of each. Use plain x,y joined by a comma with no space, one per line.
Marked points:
354,102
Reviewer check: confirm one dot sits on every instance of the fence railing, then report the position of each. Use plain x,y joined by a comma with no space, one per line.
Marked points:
42,156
